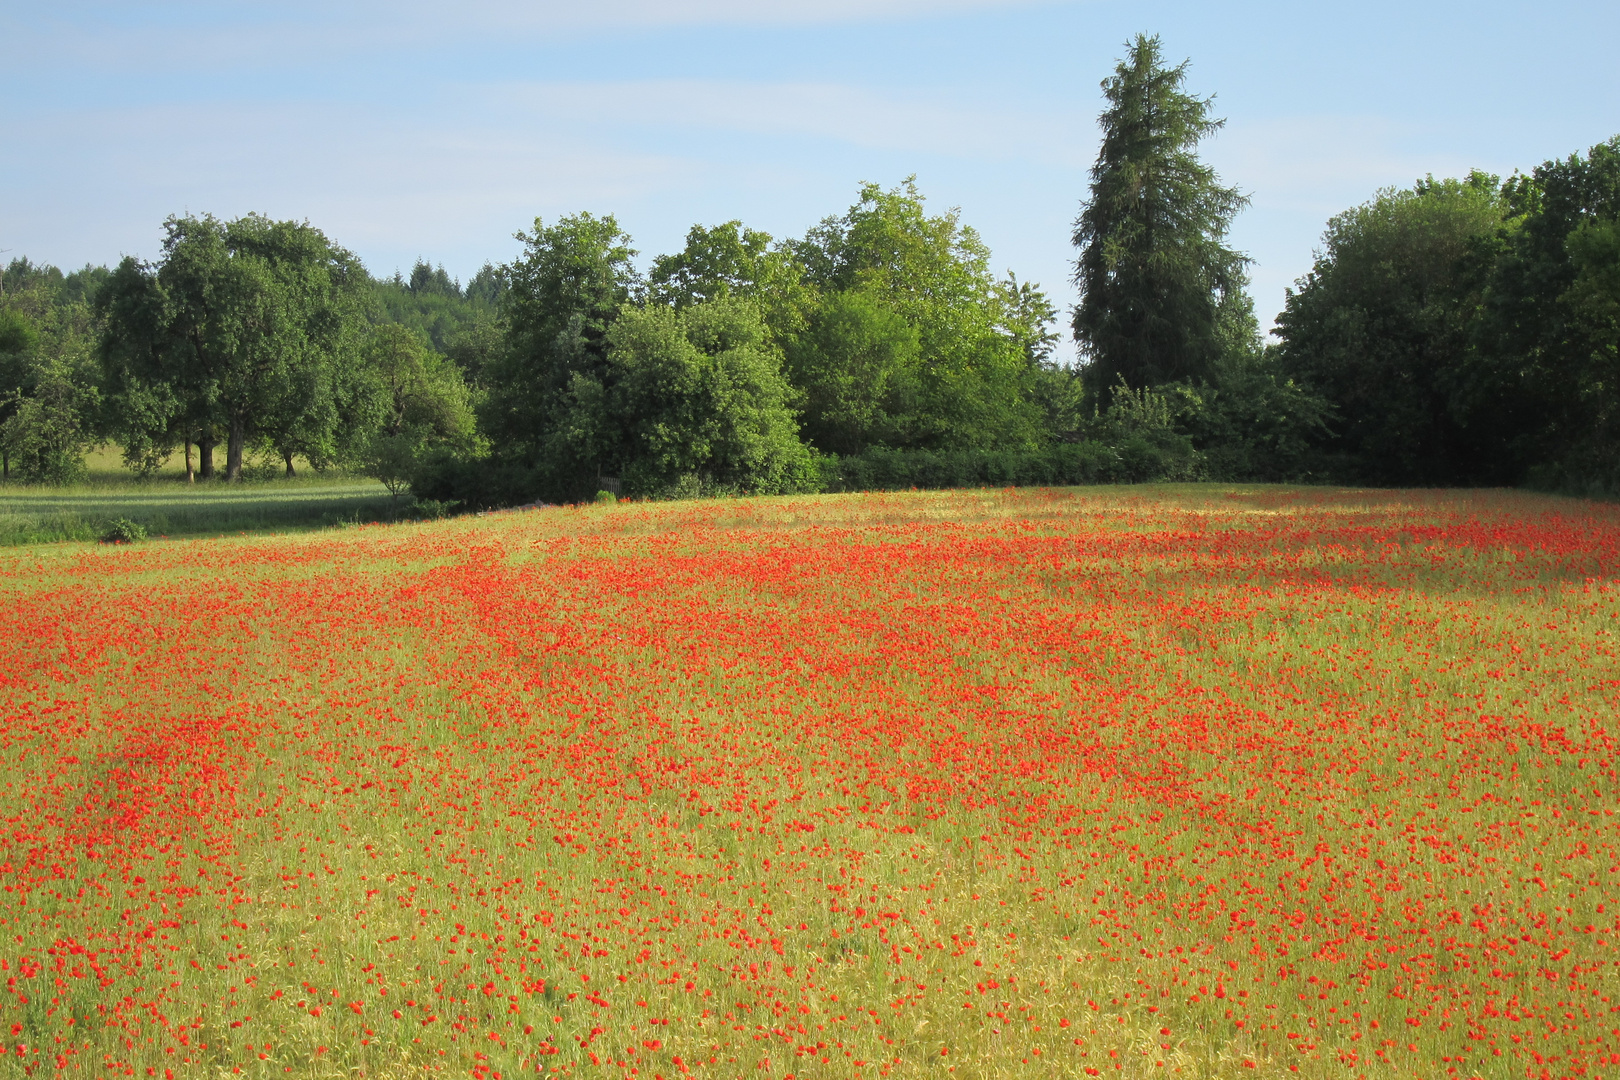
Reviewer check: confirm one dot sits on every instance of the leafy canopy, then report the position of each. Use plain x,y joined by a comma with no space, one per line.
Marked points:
1380,327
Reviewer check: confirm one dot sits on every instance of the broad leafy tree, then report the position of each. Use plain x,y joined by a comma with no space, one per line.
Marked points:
409,387
913,343
732,260
18,340
1548,331
49,398
411,402
692,399
1381,328
1159,287
241,332
859,368
558,301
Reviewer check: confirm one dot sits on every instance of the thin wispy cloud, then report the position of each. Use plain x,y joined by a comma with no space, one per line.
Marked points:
859,116
366,178
413,127
211,35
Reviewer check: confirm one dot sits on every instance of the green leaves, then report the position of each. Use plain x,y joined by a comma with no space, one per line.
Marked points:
1154,272
49,400
694,395
243,330
1380,327
859,369
561,296
913,344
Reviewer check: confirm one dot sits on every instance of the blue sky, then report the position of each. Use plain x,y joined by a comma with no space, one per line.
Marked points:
407,128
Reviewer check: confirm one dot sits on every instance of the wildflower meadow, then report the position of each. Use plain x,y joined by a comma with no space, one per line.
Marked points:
1069,783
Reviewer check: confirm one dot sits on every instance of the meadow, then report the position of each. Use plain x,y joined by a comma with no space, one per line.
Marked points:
1126,782
166,505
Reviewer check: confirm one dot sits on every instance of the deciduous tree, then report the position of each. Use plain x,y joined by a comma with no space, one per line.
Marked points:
560,298
888,269
240,331
1381,328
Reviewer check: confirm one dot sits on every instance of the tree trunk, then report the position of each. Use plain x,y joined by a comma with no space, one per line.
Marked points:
5,465
191,478
233,451
205,458
286,455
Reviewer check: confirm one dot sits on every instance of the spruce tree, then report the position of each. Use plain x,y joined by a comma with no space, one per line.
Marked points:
1157,282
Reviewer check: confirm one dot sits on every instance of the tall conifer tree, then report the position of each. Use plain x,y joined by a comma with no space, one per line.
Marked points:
1158,285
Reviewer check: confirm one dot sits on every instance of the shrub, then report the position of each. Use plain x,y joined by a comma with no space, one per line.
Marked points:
433,509
478,483
1063,464
123,531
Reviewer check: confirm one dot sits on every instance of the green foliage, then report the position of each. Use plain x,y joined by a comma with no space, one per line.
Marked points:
561,296
392,458
605,498
1063,464
480,482
49,400
731,260
1147,429
1160,291
123,531
1468,333
245,331
17,334
433,304
1255,423
486,287
408,387
691,395
411,403
859,368
1458,331
432,509
45,435
474,349
78,287
1545,331
1380,327
888,268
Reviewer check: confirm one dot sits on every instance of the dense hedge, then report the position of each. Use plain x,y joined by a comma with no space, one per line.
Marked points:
1134,461
486,483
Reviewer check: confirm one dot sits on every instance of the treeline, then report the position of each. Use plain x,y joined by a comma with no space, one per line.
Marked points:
1459,332
1468,331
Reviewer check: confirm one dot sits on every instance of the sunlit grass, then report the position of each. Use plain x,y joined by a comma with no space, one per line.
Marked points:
168,506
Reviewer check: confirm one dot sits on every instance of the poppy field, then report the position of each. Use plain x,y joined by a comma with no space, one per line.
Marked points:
1113,782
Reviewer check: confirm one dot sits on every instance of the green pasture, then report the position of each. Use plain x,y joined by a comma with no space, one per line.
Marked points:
265,501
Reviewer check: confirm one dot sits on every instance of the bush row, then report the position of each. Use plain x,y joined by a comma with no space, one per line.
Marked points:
1133,461
487,484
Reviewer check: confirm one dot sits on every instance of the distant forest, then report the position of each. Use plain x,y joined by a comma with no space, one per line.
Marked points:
1461,331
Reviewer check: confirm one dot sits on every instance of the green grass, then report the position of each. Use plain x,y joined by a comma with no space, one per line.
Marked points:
264,501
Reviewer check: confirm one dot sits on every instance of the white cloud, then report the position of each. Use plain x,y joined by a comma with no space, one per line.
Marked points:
369,180
751,12
858,116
